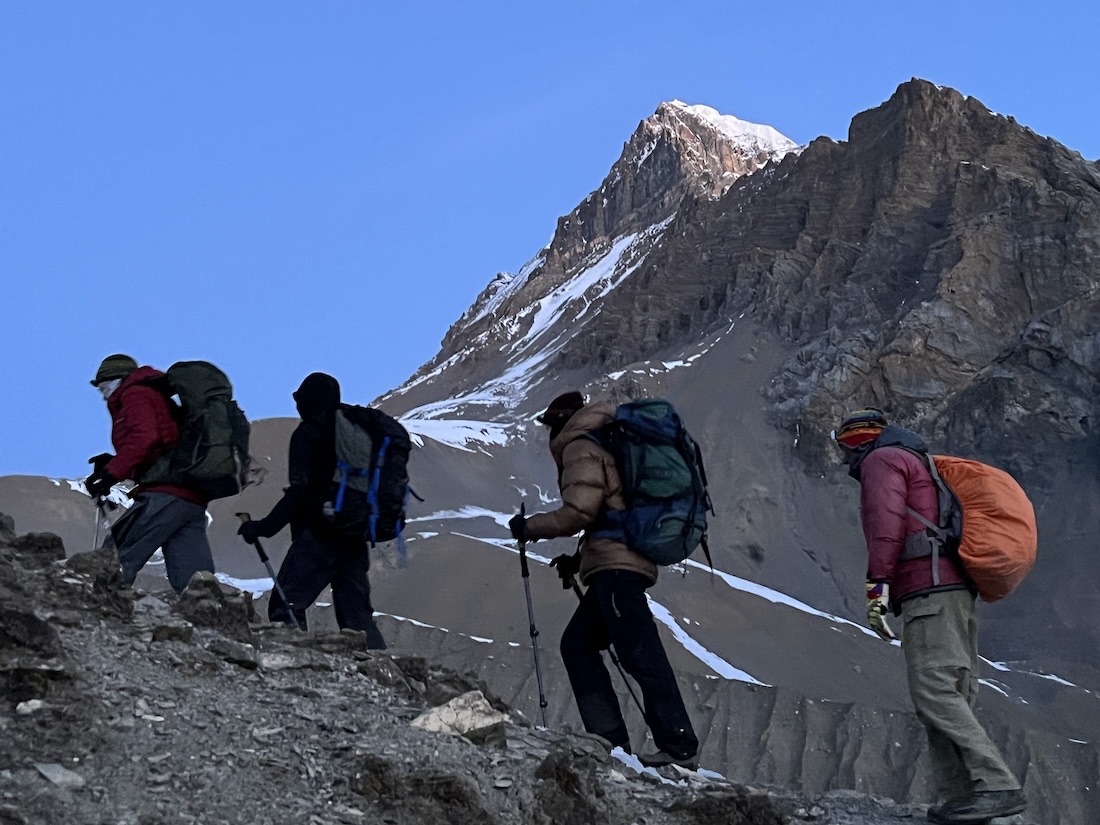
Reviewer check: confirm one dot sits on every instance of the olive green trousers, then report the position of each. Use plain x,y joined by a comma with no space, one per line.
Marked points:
940,642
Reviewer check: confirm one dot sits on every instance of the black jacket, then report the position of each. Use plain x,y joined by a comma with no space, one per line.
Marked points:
312,464
312,460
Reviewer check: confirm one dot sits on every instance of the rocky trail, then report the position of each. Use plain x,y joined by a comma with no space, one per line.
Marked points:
134,708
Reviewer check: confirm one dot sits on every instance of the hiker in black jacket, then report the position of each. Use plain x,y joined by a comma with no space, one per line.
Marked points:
318,555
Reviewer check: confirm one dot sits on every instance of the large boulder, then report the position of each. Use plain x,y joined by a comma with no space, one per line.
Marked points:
207,603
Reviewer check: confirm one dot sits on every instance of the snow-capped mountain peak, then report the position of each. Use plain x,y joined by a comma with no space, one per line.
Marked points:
522,325
752,136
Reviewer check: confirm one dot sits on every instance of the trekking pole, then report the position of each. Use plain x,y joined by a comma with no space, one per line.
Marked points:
98,462
98,519
275,580
611,652
531,617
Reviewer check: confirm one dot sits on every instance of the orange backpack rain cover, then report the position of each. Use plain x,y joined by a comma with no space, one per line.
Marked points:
999,537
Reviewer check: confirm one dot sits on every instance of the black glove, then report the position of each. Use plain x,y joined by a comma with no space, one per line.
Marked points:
100,461
567,566
251,531
100,483
518,525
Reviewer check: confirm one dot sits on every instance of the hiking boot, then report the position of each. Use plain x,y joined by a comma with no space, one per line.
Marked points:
981,807
605,742
658,759
935,813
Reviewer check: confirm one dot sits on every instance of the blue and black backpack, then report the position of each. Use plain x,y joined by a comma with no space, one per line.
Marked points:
664,483
371,484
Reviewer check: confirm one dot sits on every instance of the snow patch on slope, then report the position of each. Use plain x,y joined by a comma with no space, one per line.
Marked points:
501,289
603,275
555,319
457,433
467,512
648,368
710,659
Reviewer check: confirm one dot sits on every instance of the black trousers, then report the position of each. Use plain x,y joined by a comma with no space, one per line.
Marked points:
312,563
614,611
176,526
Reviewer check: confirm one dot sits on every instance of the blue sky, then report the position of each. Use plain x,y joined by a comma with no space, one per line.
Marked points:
282,187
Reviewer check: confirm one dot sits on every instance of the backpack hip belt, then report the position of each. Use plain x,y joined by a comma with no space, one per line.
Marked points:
929,542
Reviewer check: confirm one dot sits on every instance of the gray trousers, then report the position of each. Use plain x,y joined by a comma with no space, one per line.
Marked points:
176,526
940,643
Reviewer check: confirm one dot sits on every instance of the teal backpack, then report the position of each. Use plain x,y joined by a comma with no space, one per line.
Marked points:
664,483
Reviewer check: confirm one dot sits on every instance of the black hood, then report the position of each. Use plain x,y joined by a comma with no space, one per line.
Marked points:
318,396
892,436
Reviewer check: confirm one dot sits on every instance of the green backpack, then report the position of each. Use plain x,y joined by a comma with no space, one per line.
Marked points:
664,483
211,456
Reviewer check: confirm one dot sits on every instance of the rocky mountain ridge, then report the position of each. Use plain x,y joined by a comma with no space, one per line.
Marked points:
938,245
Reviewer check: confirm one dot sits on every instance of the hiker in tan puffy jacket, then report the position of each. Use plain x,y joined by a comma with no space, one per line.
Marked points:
613,610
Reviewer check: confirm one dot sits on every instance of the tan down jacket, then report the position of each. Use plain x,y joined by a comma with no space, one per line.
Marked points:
588,480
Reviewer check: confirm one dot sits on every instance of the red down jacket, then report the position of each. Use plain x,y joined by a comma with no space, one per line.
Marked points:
893,479
142,430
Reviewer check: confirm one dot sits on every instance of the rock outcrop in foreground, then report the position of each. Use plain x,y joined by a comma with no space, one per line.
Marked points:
124,707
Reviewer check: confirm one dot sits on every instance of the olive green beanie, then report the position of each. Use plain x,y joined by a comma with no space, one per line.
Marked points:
114,366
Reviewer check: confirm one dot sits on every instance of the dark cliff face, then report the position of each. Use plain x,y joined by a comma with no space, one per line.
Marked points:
941,260
942,264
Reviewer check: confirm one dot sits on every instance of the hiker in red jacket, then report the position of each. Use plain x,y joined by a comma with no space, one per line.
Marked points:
164,516
908,574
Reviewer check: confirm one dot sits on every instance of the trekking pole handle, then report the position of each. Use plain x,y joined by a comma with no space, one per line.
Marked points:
256,543
576,587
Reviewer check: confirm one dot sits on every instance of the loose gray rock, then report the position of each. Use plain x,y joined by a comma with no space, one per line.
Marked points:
60,776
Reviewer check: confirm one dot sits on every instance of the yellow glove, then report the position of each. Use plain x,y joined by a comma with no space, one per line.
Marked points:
878,603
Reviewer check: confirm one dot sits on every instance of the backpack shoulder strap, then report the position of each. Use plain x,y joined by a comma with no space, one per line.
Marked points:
938,535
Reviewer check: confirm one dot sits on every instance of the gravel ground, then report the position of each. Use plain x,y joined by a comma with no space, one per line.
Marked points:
129,708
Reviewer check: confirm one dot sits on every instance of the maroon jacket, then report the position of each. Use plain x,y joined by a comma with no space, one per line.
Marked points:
893,479
142,430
